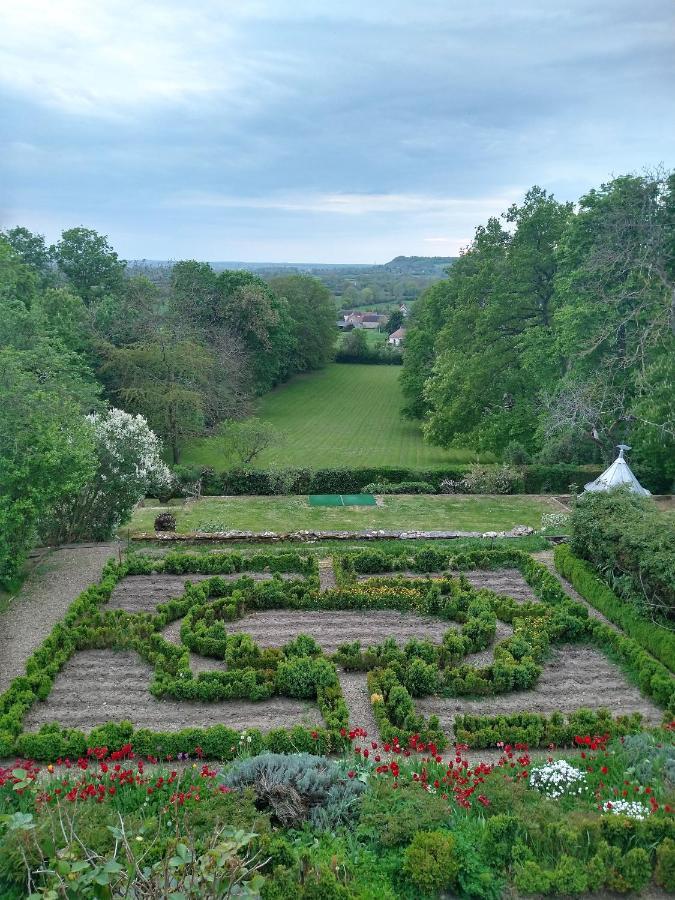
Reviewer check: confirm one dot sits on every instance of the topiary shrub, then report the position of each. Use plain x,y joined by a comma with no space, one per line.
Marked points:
165,521
430,861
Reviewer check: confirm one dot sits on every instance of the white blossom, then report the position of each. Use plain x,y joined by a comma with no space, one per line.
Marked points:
630,808
557,779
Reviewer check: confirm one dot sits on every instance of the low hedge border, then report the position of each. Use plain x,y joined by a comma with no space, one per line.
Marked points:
656,639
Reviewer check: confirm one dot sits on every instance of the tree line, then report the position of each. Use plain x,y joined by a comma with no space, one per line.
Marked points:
96,365
553,336
186,356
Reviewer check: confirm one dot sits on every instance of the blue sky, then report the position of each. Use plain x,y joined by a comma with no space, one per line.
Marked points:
320,131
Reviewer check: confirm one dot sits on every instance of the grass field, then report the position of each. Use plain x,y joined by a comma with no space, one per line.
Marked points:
344,415
436,512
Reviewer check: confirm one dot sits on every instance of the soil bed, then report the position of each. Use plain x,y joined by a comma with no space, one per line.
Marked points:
142,593
98,686
501,581
576,676
276,627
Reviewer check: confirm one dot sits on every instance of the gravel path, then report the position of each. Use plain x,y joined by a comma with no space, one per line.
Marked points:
355,690
43,601
546,557
327,580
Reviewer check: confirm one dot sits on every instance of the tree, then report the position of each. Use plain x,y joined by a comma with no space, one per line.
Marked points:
243,441
355,343
615,318
31,250
90,264
128,461
396,320
164,379
313,312
46,455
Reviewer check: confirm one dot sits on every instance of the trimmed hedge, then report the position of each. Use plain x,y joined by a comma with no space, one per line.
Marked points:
659,641
537,730
537,479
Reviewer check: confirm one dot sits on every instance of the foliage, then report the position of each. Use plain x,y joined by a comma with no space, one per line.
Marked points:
626,540
312,310
486,480
90,264
431,861
555,336
655,638
165,521
400,487
127,458
243,441
299,787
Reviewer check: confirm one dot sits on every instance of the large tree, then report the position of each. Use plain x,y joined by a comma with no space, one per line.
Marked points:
313,312
90,264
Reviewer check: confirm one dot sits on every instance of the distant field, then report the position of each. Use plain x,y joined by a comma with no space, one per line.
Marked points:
343,415
439,512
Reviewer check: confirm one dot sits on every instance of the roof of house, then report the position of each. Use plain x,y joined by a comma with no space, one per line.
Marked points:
399,333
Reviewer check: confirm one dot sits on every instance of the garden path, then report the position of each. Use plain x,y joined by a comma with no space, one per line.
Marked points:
546,557
43,601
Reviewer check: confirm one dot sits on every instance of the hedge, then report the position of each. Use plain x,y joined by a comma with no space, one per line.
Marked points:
537,479
659,641
628,541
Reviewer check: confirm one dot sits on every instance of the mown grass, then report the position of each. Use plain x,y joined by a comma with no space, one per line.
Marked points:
429,513
344,415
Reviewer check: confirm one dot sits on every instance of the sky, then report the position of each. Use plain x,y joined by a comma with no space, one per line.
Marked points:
322,131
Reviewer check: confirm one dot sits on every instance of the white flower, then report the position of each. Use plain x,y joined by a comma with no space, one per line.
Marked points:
557,779
630,808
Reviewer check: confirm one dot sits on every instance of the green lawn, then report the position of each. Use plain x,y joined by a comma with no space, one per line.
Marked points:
436,512
344,415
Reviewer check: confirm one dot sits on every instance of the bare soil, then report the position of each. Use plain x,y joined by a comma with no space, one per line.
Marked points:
575,676
329,628
98,686
142,593
501,581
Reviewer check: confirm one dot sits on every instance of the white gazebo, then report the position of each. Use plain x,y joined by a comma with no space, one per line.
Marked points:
617,475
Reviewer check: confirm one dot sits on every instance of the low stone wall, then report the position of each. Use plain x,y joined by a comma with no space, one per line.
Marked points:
272,537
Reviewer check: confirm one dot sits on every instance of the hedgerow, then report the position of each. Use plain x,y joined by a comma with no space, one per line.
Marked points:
655,638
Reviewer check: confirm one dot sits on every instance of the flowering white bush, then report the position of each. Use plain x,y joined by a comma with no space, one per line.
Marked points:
554,521
558,779
128,461
630,808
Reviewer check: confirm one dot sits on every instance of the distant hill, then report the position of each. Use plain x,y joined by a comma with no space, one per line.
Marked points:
420,265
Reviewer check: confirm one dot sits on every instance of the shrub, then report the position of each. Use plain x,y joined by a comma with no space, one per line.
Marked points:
299,787
515,454
165,521
664,874
401,487
430,861
481,479
392,816
629,543
658,640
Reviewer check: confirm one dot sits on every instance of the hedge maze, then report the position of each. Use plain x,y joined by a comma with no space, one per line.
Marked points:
220,660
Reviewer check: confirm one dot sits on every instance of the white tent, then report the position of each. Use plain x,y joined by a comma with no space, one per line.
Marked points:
618,475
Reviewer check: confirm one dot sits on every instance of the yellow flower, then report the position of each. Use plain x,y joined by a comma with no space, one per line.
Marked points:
376,698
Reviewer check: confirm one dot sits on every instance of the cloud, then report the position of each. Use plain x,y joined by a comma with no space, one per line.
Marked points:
350,204
116,58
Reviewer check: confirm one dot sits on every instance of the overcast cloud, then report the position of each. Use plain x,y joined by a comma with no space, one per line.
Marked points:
316,131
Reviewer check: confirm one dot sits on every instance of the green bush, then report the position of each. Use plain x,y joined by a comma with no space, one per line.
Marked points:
630,544
664,874
430,861
399,487
656,639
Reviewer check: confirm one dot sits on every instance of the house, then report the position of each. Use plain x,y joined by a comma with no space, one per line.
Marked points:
403,309
370,321
397,337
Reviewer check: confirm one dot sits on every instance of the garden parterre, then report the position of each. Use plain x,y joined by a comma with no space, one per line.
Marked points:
398,676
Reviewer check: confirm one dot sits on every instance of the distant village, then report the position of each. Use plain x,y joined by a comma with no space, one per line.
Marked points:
373,321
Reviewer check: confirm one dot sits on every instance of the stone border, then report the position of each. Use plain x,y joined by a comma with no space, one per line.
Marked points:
272,537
